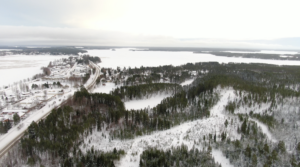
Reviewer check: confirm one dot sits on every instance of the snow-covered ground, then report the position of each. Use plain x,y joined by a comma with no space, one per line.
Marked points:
187,82
220,158
187,133
133,104
126,58
256,108
14,68
105,89
145,103
265,130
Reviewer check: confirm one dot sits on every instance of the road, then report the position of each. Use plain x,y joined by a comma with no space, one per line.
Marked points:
93,78
14,134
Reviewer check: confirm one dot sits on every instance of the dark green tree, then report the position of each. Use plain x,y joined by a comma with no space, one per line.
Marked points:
244,127
281,146
2,129
266,148
226,123
7,125
248,151
16,118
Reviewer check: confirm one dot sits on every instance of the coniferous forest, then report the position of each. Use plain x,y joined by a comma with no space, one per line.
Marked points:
256,121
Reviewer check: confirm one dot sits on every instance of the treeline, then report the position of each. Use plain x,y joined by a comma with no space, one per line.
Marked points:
152,78
86,58
266,74
94,100
149,75
258,92
178,156
276,77
52,51
257,55
94,158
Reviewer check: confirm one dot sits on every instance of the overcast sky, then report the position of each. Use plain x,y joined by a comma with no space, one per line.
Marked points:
266,24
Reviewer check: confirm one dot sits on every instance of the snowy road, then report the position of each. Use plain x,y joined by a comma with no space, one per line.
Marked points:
92,80
14,134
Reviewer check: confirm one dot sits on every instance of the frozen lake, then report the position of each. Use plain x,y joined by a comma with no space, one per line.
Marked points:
14,68
126,58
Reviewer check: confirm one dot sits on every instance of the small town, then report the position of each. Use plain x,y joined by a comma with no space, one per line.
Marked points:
57,83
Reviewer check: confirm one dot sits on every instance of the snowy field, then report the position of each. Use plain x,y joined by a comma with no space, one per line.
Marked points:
14,68
126,58
187,82
220,158
145,103
133,104
105,89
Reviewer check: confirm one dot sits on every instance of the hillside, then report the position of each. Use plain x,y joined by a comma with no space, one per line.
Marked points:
231,114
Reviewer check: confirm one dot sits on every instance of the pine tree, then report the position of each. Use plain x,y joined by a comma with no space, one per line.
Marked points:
215,137
248,151
244,127
274,155
226,123
16,118
266,148
293,161
254,159
281,146
7,125
2,129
